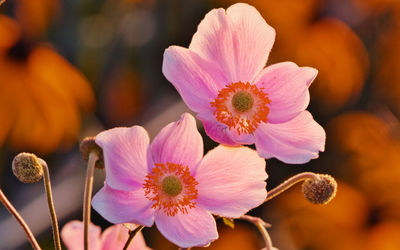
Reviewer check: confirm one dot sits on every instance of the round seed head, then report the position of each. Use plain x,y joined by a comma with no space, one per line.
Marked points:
320,190
27,168
88,145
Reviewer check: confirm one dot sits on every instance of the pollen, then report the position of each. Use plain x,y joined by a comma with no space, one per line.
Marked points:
241,106
171,187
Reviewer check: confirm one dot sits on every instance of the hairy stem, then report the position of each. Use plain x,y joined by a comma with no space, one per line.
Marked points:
265,235
131,236
260,224
18,217
289,183
49,195
93,157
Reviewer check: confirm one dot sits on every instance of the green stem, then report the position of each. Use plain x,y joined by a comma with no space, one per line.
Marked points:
289,183
18,217
93,157
47,186
131,236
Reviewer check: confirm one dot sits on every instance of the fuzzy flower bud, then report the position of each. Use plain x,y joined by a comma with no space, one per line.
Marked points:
27,168
88,145
320,190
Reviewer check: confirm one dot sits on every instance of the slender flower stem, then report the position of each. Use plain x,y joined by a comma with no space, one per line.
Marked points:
17,216
47,186
255,220
289,183
265,235
260,224
93,157
131,236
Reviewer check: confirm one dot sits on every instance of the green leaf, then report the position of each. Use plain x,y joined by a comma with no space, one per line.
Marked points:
229,222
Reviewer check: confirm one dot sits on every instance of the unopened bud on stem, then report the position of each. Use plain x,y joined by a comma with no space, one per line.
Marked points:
320,190
89,145
27,168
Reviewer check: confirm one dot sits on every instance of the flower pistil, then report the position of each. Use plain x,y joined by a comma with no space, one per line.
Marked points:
241,106
171,187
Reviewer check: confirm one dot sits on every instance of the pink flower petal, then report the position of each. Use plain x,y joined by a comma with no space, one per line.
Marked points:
179,142
287,87
72,235
215,130
231,181
296,141
197,228
239,40
196,79
243,138
116,236
118,206
125,156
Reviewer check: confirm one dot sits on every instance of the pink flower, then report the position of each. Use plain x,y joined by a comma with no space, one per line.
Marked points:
221,76
113,237
170,183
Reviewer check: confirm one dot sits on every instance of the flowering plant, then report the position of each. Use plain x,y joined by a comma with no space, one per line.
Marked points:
221,77
169,181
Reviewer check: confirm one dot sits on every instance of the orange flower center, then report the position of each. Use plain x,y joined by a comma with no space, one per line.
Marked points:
241,106
171,187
